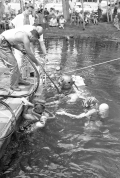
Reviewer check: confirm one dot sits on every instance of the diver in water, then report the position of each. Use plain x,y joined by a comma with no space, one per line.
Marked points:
36,115
65,86
68,87
94,113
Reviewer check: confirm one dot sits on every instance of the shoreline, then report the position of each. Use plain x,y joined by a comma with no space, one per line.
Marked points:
102,30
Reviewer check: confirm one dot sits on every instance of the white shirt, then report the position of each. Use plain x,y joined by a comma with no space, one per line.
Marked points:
19,19
7,8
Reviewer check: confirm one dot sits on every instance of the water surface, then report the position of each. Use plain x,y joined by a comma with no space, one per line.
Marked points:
63,149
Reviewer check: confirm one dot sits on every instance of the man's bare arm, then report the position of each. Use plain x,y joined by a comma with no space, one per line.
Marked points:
26,43
42,45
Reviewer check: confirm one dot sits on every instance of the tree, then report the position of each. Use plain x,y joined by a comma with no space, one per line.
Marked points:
1,10
65,4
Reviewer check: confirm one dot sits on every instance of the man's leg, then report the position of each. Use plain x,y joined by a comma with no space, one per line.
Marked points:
9,60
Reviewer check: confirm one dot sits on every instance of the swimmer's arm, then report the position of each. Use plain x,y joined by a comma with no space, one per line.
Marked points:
80,116
89,113
70,115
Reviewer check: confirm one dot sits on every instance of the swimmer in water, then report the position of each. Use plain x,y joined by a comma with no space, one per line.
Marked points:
35,114
95,115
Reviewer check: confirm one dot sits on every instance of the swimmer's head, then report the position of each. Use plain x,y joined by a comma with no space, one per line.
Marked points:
104,110
65,82
90,102
39,106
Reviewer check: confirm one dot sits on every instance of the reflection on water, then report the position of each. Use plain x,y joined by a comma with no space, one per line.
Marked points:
64,149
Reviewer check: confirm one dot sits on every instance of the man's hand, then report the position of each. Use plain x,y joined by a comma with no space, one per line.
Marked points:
26,102
23,51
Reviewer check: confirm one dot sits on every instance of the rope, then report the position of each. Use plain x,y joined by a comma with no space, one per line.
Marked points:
92,65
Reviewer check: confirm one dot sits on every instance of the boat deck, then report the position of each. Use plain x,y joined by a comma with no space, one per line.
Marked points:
6,117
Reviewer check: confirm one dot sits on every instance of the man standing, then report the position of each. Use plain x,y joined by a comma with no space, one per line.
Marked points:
7,9
21,20
11,39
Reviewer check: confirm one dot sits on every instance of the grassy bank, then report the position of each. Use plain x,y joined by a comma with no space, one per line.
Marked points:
103,29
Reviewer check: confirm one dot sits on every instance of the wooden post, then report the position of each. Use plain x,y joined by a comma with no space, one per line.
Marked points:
83,15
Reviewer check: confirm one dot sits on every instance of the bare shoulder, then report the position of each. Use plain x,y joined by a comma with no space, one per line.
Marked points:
23,36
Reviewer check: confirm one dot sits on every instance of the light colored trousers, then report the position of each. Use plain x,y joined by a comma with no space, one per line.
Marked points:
7,57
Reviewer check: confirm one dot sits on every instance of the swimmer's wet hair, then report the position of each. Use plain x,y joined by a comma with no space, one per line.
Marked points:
39,108
35,33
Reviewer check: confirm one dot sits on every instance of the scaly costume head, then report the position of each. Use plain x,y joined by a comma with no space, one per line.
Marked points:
65,82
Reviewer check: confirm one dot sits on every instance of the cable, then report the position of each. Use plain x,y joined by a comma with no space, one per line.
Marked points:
50,79
28,94
92,65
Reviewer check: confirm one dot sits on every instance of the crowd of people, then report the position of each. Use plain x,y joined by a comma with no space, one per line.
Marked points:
53,18
39,16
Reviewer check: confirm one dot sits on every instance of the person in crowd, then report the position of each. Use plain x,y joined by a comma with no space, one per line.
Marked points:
95,17
62,22
46,16
73,18
11,39
53,22
25,6
115,11
7,7
40,8
39,19
23,19
99,12
30,4
51,13
79,18
109,13
87,18
116,22
95,115
57,14
72,4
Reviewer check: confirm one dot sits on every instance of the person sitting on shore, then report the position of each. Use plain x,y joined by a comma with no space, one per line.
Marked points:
116,22
53,21
73,18
95,17
95,116
87,18
62,22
